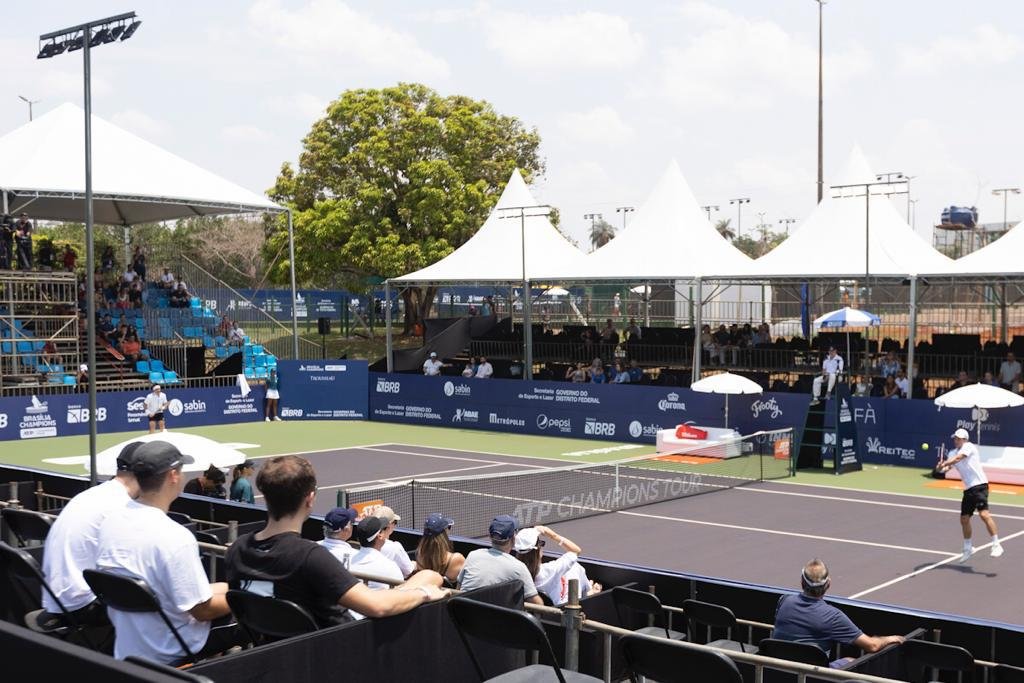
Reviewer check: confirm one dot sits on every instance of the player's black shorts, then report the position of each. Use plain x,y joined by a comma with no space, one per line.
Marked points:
157,417
975,498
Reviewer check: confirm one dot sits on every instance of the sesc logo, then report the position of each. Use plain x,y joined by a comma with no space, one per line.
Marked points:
291,412
595,428
562,424
671,402
137,405
453,389
385,386
79,415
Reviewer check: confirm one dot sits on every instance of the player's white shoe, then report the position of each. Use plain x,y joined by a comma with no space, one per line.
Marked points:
966,555
997,550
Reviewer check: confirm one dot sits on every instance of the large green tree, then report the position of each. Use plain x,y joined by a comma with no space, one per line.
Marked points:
392,180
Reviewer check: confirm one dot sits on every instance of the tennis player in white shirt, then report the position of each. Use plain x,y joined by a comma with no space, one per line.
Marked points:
967,460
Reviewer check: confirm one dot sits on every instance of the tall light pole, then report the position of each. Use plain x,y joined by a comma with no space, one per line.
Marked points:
84,37
786,222
739,202
709,208
520,213
761,226
593,218
892,177
1005,191
624,210
29,103
821,123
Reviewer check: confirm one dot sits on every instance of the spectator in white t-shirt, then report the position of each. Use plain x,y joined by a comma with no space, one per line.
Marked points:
432,366
155,405
1009,373
167,279
370,560
393,550
338,526
141,541
237,335
552,578
73,544
831,368
484,370
967,461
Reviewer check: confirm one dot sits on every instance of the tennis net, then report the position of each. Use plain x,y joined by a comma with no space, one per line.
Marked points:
558,494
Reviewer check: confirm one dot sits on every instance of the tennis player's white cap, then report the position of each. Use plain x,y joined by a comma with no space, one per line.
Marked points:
961,434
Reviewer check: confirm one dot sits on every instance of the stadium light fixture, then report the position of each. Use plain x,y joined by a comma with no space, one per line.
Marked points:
84,37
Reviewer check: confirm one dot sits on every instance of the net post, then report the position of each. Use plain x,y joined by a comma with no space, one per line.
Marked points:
572,619
342,499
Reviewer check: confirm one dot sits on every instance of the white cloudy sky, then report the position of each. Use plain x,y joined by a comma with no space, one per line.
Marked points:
727,87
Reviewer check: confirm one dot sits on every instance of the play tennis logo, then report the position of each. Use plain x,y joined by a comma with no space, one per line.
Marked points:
671,402
595,428
385,386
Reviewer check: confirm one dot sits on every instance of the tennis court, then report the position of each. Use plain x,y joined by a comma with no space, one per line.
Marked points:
890,548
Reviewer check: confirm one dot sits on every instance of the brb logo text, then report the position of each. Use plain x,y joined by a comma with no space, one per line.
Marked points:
595,428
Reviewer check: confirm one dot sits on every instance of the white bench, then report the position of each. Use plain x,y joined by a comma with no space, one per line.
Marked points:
668,443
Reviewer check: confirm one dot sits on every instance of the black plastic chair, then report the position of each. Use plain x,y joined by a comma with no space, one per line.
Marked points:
626,599
179,517
26,579
267,618
671,661
804,653
512,629
922,656
167,671
713,616
1003,673
26,525
128,594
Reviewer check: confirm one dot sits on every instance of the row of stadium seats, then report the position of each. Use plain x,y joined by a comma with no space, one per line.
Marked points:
157,373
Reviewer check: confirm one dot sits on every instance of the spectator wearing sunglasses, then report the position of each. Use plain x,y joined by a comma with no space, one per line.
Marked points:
435,549
552,578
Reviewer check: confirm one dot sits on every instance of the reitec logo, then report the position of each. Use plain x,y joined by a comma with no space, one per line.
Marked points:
671,402
874,445
385,386
562,424
453,389
592,426
291,412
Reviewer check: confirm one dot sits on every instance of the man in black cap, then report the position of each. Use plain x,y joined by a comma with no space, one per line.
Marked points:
73,544
142,542
489,566
369,560
277,561
338,526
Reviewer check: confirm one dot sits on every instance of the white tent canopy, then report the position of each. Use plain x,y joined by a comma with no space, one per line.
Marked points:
504,244
134,181
668,238
1001,257
830,242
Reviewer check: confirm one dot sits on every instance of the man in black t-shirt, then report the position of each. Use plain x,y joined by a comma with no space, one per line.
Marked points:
209,483
278,562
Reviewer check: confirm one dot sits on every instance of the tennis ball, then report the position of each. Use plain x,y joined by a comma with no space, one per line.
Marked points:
924,447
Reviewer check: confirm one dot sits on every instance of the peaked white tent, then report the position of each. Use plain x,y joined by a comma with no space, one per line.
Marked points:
830,242
508,247
1001,257
134,181
669,238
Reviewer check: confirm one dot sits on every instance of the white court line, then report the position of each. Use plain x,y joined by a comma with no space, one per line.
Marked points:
474,452
776,532
866,501
786,482
450,457
922,570
319,450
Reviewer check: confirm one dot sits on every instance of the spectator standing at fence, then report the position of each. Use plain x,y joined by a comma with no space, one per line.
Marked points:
141,541
633,332
435,551
277,561
608,333
393,550
489,566
484,370
1009,373
967,460
210,483
724,342
273,396
339,524
72,546
552,578
241,487
806,617
139,262
23,239
487,307
432,366
962,380
831,368
155,404
47,256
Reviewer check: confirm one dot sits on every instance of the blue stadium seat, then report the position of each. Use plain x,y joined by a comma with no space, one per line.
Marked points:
171,377
260,361
156,365
250,373
38,346
220,341
246,340
257,349
156,377
5,347
24,347
162,303
195,302
208,342
69,379
55,379
221,352
272,361
261,373
142,366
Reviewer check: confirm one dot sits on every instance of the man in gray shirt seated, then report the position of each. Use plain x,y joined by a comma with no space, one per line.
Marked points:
489,566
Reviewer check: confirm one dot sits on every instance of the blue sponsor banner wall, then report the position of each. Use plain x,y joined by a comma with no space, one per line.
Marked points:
611,412
323,390
30,417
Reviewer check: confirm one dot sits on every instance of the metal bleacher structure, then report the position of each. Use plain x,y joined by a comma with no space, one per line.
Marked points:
39,329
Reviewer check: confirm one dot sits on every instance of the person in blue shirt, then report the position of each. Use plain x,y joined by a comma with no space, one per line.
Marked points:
806,617
636,373
241,487
596,372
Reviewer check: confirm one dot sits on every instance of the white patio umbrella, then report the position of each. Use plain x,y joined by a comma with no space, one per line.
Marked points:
205,451
979,398
844,319
555,291
727,383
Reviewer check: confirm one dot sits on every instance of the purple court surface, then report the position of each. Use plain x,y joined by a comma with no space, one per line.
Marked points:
887,548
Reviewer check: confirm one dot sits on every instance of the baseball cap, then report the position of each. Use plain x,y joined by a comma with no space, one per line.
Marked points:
436,524
127,456
961,434
527,540
339,518
433,354
387,515
368,529
248,464
503,528
157,457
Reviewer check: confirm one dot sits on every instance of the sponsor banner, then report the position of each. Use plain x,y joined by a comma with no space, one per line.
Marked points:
847,451
323,389
32,417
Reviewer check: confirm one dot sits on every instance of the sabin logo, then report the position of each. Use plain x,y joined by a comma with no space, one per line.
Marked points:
636,430
453,389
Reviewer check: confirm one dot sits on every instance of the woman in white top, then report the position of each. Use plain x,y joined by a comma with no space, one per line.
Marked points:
552,578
